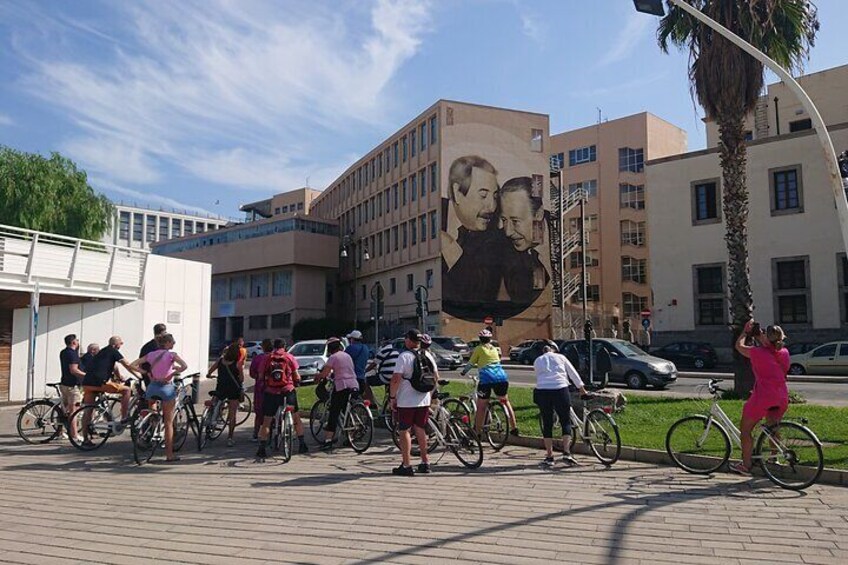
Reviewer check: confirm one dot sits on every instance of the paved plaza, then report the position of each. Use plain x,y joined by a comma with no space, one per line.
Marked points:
220,506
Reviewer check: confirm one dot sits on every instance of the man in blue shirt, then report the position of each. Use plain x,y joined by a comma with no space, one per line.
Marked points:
358,351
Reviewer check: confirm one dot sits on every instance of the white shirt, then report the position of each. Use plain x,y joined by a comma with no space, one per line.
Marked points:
408,397
554,371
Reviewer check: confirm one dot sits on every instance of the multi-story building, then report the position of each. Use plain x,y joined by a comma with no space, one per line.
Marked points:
455,201
284,205
799,276
269,273
138,227
607,162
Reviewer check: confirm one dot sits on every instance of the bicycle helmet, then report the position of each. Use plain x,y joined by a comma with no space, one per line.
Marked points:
426,339
484,333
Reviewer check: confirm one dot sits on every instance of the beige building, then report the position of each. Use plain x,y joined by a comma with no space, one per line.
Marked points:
798,272
285,205
606,161
269,273
430,206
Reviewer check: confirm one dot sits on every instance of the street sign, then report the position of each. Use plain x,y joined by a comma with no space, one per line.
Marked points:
377,292
488,320
646,323
645,313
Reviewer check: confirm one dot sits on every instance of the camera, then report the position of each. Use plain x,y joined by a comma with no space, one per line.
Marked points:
756,330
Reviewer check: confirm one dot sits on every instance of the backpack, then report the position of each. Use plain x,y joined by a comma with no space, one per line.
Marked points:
423,373
279,372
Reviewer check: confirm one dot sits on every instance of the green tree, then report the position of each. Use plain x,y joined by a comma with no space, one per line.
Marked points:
727,82
50,195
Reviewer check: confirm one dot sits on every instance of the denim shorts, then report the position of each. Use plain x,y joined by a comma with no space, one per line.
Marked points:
165,391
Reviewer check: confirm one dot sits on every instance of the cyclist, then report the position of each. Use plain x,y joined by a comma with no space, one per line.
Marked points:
553,373
149,347
163,364
72,375
492,378
412,406
257,373
280,376
770,397
341,366
229,385
85,361
358,351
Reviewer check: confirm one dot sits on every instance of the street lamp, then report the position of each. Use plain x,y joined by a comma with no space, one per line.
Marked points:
655,7
358,248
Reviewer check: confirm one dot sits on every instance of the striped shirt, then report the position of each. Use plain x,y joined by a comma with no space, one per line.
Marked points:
386,359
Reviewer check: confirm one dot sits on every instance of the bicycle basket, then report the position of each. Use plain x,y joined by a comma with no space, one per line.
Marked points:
321,391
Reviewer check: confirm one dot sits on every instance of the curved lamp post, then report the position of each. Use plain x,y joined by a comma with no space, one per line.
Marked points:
360,253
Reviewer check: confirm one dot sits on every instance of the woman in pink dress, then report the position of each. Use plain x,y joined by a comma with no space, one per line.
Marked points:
257,371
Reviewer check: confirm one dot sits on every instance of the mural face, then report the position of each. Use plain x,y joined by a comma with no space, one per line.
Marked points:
494,240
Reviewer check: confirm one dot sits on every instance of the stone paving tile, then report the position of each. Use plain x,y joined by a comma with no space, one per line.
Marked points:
220,506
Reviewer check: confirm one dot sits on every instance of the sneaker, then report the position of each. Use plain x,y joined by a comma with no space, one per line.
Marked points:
569,459
261,453
327,446
230,442
403,471
424,468
740,469
88,444
548,461
303,448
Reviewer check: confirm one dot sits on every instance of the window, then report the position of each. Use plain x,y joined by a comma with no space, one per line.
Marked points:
363,292
536,140
201,227
589,186
238,287
259,285
791,290
705,205
373,170
434,178
404,148
395,192
575,224
258,322
395,151
392,286
282,283
557,161
593,293
403,234
379,245
422,180
434,225
413,187
279,321
576,259
749,135
633,304
219,290
800,125
176,228
403,192
413,232
582,155
373,208
151,228
828,350
386,159
163,228
379,205
632,233
434,138
380,165
633,269
412,143
786,191
188,227
410,282
395,237
124,230
632,160
632,196
422,131
138,228
423,222
709,286
300,205
428,277
388,200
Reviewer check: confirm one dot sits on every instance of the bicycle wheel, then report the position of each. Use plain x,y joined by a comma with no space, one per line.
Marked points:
698,444
388,416
39,421
99,428
603,437
359,427
181,423
496,425
794,459
464,443
317,418
456,408
277,431
217,425
245,409
288,437
145,434
203,431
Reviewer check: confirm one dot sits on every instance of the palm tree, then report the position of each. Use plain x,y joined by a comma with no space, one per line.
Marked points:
727,82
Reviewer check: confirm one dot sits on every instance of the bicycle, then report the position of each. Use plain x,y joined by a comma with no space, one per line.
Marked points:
102,423
41,420
789,453
598,431
282,431
148,427
356,420
495,424
216,415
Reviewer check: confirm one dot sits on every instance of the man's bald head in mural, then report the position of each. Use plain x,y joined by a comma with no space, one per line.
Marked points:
520,210
473,186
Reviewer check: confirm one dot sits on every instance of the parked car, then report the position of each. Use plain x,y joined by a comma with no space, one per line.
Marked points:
311,356
445,359
527,355
515,350
630,365
254,348
801,347
472,345
828,359
453,344
699,355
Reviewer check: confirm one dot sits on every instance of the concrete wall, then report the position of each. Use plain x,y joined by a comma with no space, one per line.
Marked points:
176,292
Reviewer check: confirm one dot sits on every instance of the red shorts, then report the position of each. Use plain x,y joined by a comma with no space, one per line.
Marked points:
408,417
757,408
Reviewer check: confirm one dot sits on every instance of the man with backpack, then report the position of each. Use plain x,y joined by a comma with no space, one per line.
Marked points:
280,378
412,382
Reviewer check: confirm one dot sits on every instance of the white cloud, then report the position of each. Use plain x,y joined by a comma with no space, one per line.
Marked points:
631,34
533,27
6,120
135,197
213,87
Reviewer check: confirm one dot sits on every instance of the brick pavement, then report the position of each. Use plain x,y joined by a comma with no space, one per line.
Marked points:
58,505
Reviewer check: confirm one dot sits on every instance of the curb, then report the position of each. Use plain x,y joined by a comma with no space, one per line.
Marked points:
834,477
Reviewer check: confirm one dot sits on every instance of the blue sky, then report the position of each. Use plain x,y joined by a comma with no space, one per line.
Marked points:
204,105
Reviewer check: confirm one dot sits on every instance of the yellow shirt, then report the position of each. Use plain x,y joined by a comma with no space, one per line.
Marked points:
485,354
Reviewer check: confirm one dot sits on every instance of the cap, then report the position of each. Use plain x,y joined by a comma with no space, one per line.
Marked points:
355,334
414,335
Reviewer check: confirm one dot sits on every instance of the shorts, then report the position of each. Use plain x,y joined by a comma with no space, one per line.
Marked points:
756,408
484,391
70,395
109,387
228,391
408,417
271,401
165,391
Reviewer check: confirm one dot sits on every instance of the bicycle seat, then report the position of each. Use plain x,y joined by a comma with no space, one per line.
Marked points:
213,393
442,395
444,382
54,385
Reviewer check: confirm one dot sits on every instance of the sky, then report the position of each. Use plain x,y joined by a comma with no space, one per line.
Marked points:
203,105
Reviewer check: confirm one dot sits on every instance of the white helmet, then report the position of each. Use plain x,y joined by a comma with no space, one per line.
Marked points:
484,333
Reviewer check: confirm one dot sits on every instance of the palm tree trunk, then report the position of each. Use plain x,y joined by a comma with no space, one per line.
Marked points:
732,152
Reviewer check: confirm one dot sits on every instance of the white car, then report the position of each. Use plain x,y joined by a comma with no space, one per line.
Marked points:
311,356
254,348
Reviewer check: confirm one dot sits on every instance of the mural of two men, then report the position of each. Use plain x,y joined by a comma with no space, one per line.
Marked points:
490,265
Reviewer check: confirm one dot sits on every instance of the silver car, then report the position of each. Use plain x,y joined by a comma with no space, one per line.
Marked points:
311,356
630,365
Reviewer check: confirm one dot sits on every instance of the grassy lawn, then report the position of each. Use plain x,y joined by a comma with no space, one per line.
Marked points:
646,419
